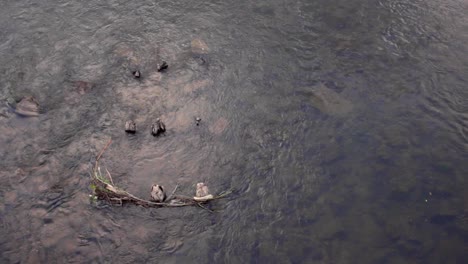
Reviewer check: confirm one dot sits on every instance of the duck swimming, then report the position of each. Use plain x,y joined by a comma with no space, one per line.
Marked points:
136,74
161,67
158,128
130,127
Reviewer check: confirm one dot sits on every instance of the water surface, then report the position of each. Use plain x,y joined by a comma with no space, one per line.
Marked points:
340,125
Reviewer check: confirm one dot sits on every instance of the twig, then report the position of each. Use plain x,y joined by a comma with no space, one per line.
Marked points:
206,208
110,177
102,151
108,191
175,189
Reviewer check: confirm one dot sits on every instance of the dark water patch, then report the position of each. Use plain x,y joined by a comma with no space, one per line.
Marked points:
400,196
440,194
442,168
442,219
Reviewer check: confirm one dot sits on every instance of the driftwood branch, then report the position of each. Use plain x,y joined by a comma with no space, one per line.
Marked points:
104,189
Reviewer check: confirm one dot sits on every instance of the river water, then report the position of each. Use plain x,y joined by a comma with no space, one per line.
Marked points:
340,126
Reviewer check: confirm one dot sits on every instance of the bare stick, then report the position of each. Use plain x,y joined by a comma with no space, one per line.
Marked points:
104,149
110,177
175,189
204,207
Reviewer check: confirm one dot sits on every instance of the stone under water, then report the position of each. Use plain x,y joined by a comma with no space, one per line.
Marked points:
83,87
328,101
199,47
28,106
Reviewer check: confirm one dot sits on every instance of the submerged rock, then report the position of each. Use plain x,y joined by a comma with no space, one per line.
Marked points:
83,87
4,112
328,101
128,53
219,126
196,85
158,128
130,127
199,47
28,106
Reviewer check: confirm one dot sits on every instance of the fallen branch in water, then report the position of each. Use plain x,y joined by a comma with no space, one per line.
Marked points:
104,189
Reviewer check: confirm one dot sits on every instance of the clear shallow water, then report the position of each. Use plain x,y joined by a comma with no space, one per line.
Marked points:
341,125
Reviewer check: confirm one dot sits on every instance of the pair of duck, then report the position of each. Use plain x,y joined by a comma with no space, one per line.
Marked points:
156,129
160,67
159,195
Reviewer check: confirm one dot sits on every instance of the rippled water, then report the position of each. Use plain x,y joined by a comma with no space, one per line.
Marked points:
340,125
